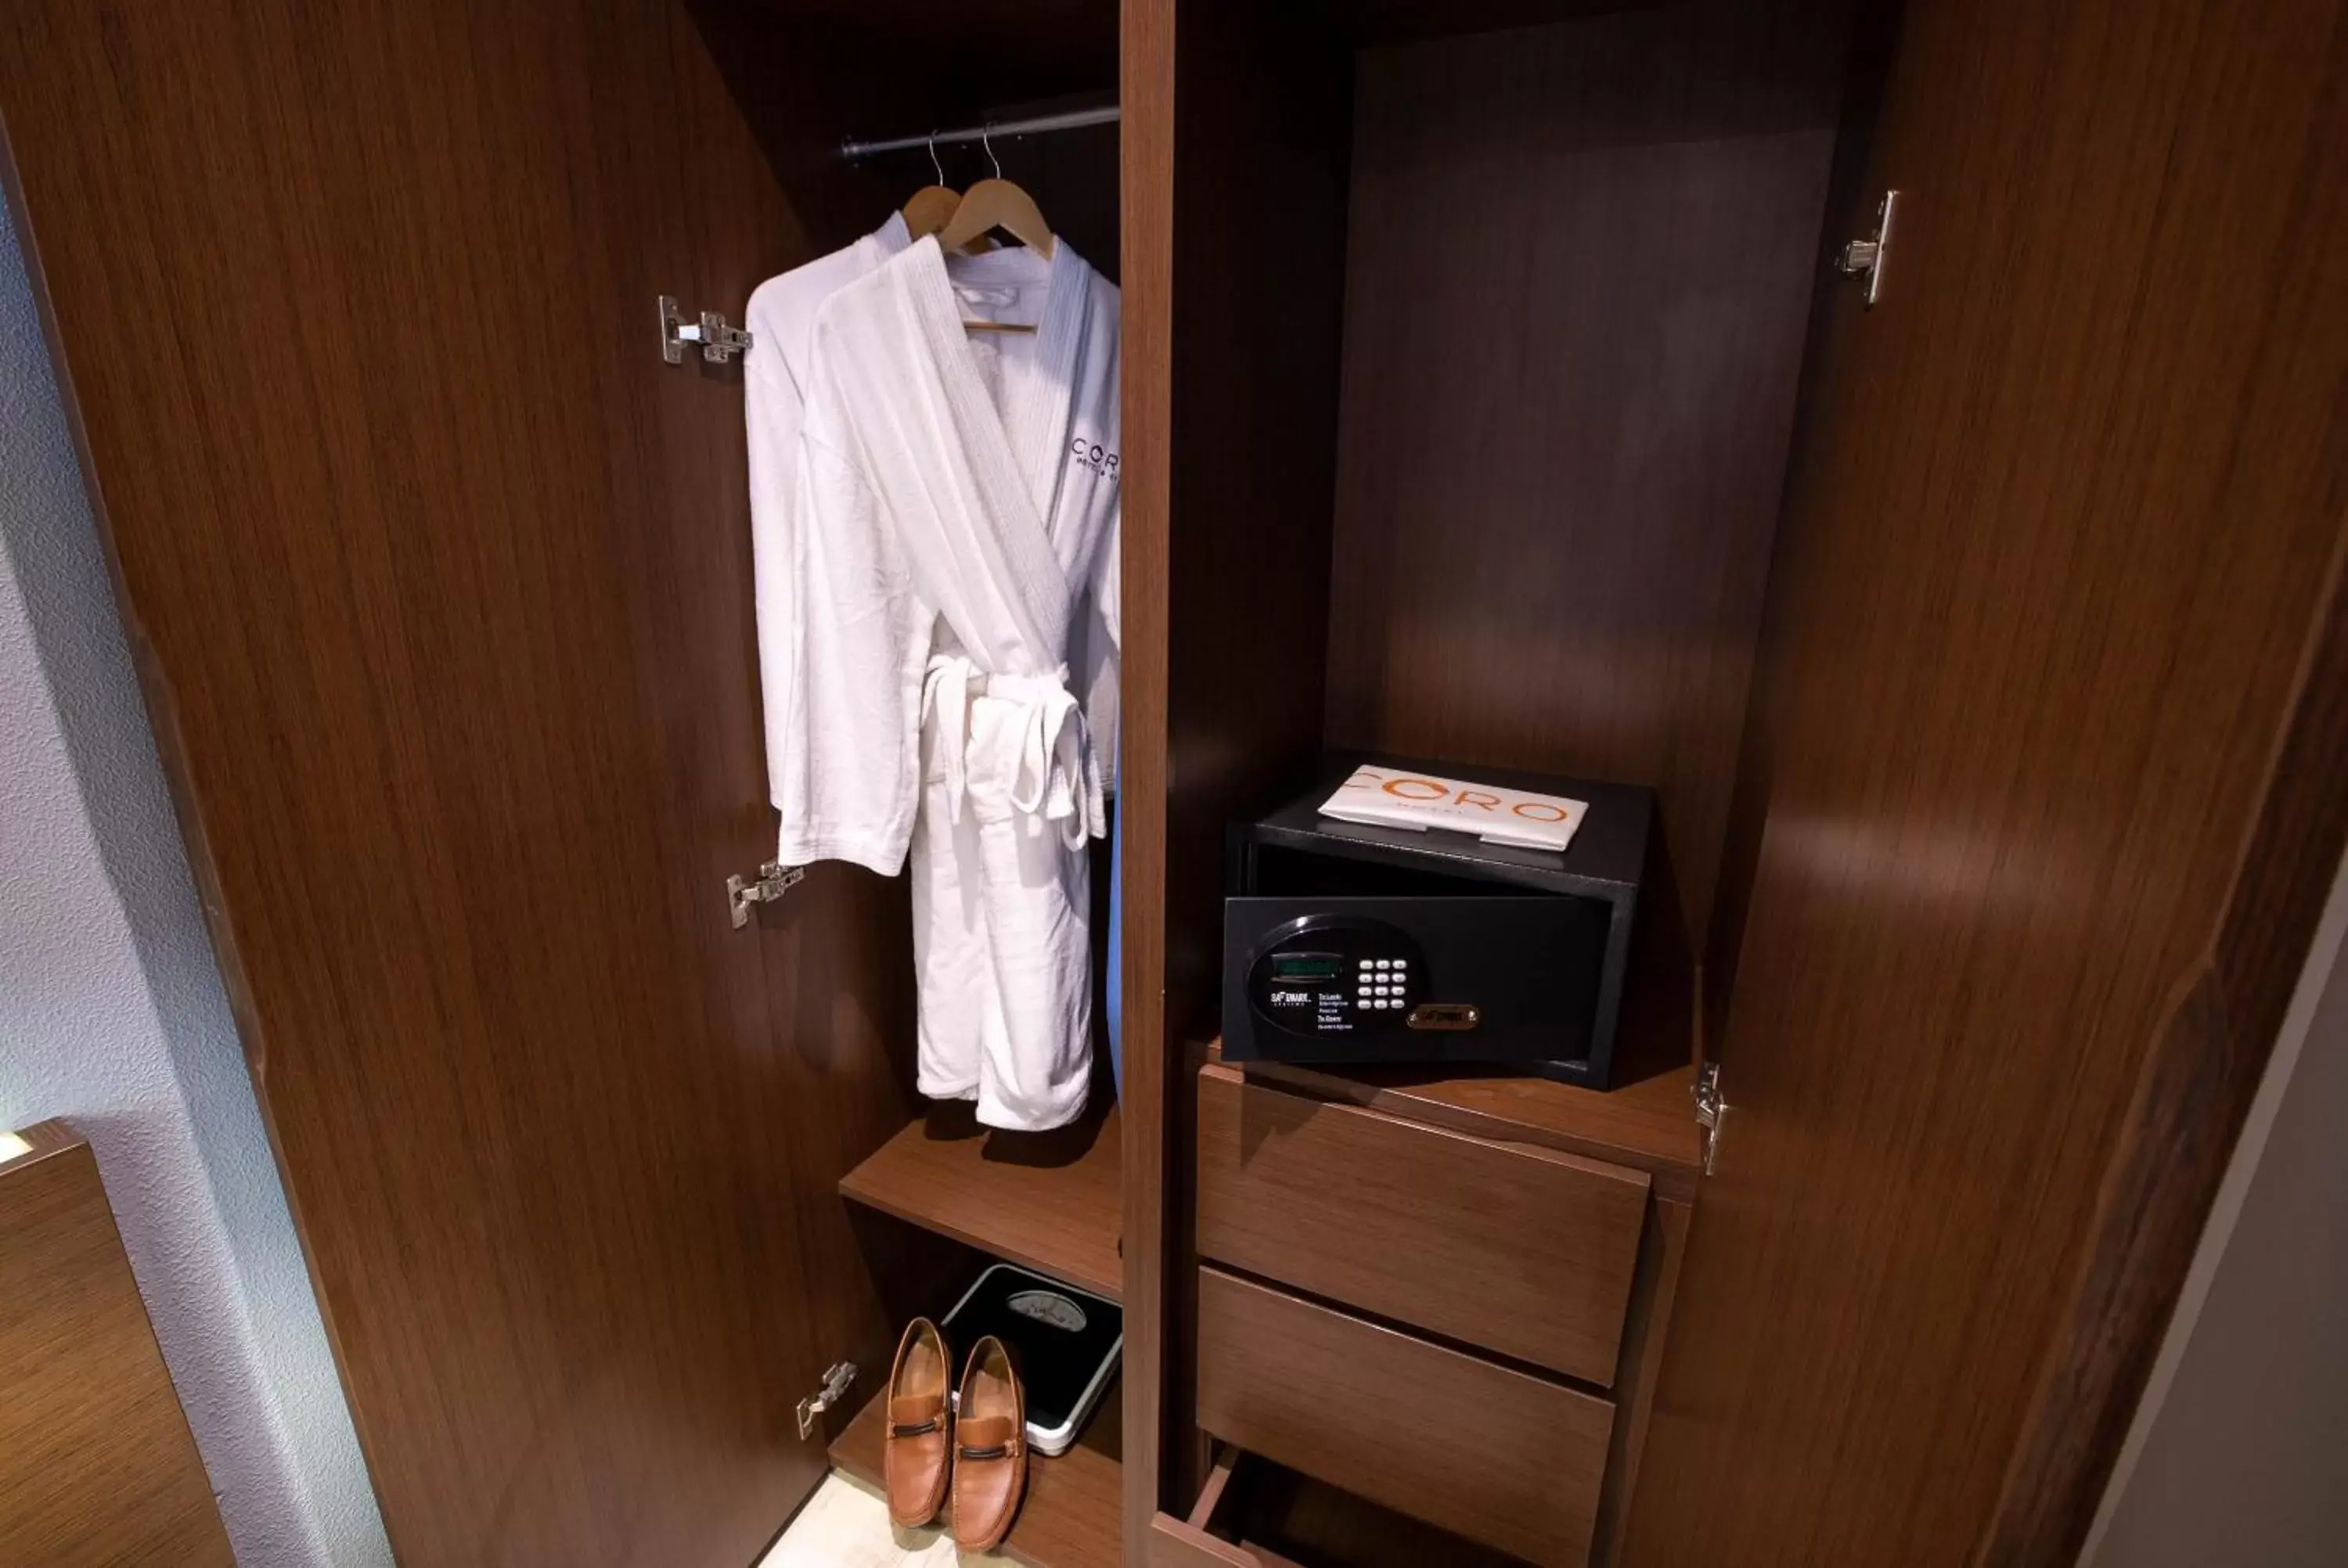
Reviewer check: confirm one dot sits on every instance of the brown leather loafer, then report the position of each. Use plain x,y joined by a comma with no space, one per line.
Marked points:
990,1448
913,1455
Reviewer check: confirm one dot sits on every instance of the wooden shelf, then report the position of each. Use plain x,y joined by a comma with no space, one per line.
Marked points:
1071,1517
1051,1201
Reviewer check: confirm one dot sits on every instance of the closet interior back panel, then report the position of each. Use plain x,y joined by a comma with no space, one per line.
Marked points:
1580,264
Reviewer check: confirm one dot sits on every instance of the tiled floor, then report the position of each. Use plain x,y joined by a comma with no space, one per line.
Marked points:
845,1526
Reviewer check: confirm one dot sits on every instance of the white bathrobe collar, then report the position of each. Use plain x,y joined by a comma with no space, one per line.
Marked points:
1014,451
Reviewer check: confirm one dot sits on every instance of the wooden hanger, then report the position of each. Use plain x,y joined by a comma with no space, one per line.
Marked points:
997,203
989,205
979,242
930,208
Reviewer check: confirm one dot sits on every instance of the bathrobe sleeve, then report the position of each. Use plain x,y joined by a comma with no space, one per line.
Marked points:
850,733
771,407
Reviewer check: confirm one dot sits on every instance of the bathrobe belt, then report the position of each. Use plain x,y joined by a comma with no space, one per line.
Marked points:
1050,771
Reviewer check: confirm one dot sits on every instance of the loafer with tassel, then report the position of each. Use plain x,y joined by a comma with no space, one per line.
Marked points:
916,1454
990,1473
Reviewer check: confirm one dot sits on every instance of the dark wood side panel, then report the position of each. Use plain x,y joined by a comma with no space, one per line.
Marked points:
1580,264
2064,526
1499,1456
2195,1087
439,582
97,1464
1518,1249
1661,1250
1146,200
1262,111
1234,232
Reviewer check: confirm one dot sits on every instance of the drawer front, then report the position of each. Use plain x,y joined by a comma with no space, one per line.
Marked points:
1524,1251
1176,1544
1485,1451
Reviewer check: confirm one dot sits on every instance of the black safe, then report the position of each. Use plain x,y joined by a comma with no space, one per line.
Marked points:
1349,943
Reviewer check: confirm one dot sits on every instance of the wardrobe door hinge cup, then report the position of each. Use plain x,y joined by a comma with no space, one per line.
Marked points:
719,342
1710,1111
1865,259
774,879
835,1388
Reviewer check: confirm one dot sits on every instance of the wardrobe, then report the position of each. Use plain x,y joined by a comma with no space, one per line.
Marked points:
1500,386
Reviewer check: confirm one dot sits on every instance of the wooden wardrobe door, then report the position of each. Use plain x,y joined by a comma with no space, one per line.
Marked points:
439,581
2043,790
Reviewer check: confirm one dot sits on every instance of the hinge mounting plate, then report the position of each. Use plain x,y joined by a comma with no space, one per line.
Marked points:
774,880
1865,259
836,1383
1710,1111
719,340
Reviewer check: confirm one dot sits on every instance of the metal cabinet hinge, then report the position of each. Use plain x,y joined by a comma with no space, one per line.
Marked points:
1865,259
719,342
774,879
1710,1111
834,1389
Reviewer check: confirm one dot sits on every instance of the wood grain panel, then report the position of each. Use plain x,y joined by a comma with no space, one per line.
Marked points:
953,62
2064,527
1390,21
1514,1248
1648,1126
2193,1093
438,580
1579,262
1259,243
1233,229
1662,1248
1152,1215
1499,1456
97,1464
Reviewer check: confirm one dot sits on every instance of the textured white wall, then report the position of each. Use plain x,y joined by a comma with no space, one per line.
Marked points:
112,1014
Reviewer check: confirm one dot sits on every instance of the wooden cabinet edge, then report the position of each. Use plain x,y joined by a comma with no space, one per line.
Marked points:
41,1140
1176,1544
1673,1163
1663,1247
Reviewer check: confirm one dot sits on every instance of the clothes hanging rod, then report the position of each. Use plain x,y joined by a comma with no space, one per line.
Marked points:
1068,120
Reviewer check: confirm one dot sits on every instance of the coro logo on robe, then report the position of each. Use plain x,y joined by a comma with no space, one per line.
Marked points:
1094,456
1049,1306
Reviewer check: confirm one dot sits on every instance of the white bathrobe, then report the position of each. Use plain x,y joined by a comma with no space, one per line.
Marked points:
781,323
955,586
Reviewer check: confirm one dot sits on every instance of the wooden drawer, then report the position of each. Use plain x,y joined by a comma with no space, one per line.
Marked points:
1254,1513
1499,1456
1206,1540
1525,1251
